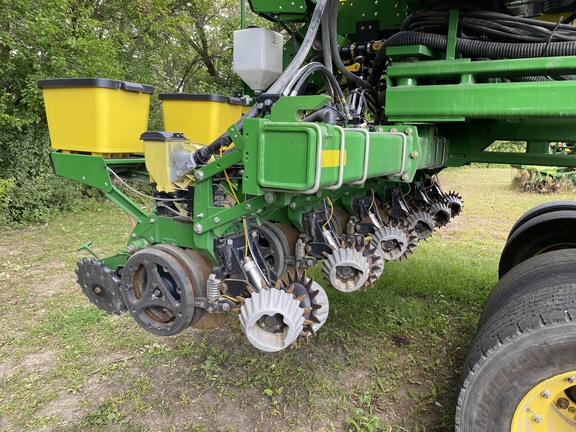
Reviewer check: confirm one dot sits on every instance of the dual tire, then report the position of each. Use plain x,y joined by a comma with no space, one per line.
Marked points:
520,373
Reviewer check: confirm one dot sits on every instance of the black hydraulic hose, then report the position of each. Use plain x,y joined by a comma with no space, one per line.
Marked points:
336,54
471,48
202,155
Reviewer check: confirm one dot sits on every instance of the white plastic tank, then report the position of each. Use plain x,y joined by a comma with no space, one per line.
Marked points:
258,56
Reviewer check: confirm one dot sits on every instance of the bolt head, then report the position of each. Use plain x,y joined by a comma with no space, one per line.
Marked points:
199,175
536,418
409,131
247,207
571,379
405,177
269,197
393,130
293,205
198,229
216,220
545,394
414,155
563,403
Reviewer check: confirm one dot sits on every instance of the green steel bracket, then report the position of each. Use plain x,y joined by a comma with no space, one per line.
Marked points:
286,10
452,35
286,109
469,141
218,165
460,102
420,52
236,137
85,169
86,247
117,261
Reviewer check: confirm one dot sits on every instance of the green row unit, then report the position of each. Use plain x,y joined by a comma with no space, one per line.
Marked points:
308,157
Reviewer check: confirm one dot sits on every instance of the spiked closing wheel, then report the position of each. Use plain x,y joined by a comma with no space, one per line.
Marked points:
101,285
454,202
441,214
393,243
347,269
271,319
422,223
313,298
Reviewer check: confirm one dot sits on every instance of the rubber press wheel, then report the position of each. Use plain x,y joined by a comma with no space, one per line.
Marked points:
541,234
520,373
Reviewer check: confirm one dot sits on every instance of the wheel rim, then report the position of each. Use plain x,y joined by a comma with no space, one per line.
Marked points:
548,407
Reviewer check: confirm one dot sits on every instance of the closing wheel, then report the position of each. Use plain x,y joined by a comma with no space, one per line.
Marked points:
518,375
422,224
393,243
157,292
544,233
271,319
273,246
347,269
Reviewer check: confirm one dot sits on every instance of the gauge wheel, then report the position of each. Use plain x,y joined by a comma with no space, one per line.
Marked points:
541,234
520,374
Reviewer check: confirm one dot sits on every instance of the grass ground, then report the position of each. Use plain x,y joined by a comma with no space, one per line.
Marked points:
387,359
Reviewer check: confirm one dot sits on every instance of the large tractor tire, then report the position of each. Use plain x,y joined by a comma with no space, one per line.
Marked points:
552,268
544,233
520,374
541,209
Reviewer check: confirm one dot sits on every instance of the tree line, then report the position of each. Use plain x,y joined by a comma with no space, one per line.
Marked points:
175,45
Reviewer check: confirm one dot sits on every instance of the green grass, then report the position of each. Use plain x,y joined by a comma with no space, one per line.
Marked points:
386,360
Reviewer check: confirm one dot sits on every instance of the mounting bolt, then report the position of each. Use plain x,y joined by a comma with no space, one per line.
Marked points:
393,130
152,220
268,102
151,239
229,242
536,418
260,105
563,403
405,177
247,207
545,394
134,235
409,131
198,229
293,205
226,307
414,155
200,215
307,199
571,379
199,175
83,177
131,249
572,410
216,220
269,197
379,129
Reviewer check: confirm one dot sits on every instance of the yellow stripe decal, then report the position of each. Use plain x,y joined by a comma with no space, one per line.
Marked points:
331,158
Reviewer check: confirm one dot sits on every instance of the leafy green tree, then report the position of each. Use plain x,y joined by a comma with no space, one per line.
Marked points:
174,45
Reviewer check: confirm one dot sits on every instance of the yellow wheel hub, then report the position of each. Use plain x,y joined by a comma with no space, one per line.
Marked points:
548,407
